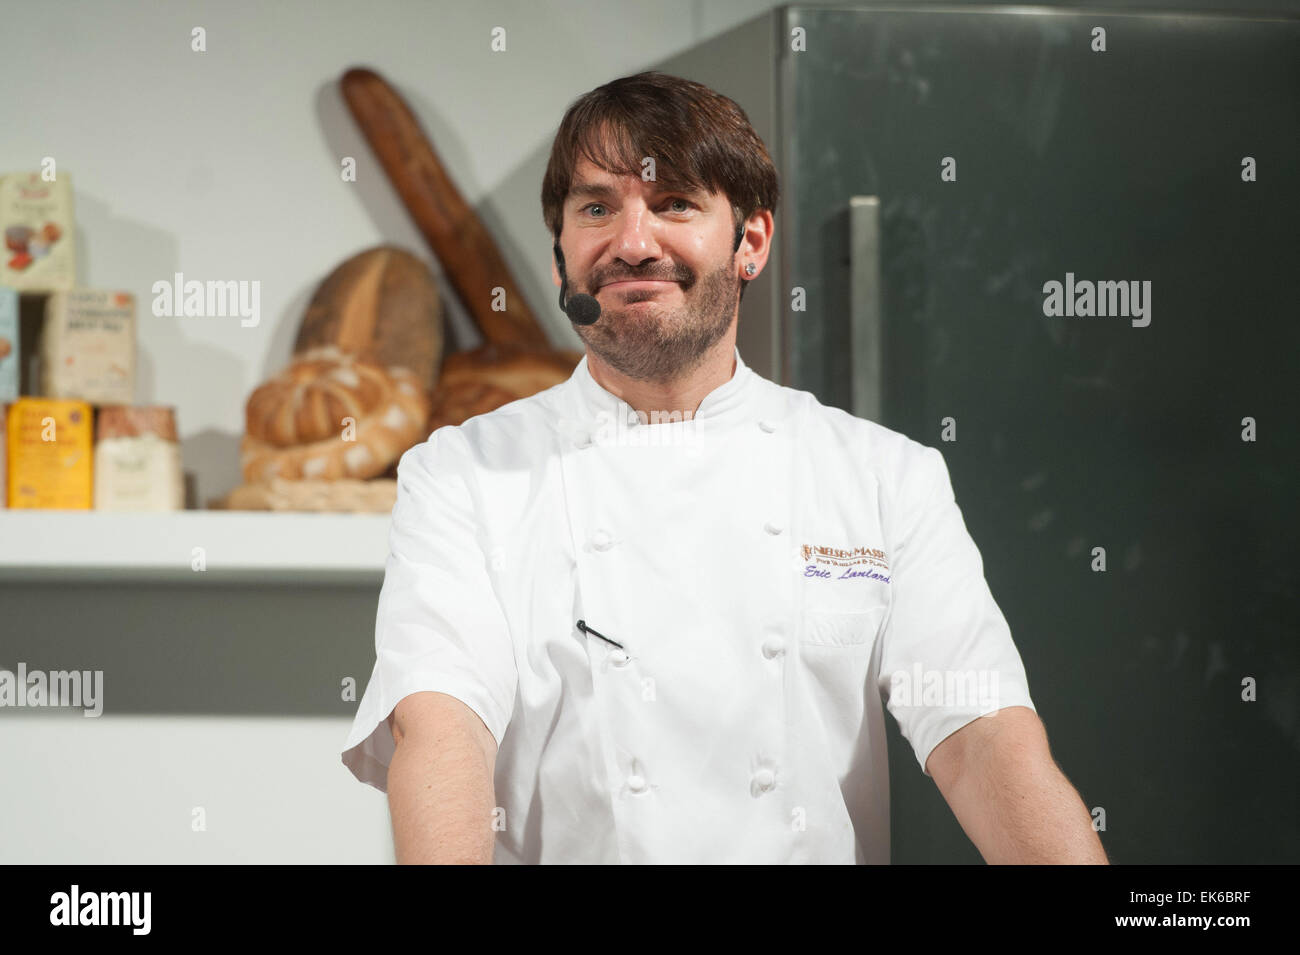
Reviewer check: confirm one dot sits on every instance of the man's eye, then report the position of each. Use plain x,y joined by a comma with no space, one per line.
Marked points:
685,204
592,205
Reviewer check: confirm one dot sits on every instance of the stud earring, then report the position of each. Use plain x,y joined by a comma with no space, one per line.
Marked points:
751,268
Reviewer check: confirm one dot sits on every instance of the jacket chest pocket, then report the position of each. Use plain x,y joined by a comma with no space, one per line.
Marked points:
830,628
842,613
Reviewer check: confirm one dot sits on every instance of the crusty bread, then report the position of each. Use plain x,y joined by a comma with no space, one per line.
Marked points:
306,401
483,379
374,496
381,305
296,425
457,403
470,258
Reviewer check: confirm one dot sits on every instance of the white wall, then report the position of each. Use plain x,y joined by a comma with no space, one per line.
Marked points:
117,790
225,165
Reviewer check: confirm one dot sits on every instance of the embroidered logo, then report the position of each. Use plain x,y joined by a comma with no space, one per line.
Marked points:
839,557
852,562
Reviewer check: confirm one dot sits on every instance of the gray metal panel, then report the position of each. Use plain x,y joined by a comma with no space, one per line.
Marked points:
864,307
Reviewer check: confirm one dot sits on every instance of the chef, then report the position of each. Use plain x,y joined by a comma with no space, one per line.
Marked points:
657,613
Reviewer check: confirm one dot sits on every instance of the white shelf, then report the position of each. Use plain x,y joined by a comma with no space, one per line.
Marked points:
243,546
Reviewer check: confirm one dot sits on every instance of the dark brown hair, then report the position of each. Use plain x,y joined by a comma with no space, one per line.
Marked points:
699,139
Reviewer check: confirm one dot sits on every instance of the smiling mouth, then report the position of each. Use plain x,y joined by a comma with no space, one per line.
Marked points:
632,285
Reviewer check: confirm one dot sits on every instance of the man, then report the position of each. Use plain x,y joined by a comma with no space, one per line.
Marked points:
656,613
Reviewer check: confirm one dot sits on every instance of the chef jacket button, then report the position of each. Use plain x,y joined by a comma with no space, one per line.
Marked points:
773,647
602,540
771,528
618,658
636,783
764,779
582,440
767,426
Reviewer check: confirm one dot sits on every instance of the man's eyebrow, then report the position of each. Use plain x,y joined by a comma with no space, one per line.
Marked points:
590,190
598,190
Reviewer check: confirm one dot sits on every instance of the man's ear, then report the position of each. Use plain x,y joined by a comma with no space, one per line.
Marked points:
757,242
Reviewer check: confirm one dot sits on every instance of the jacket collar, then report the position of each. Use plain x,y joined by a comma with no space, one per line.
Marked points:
724,406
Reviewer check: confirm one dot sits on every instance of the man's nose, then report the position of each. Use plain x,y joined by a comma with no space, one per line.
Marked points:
636,236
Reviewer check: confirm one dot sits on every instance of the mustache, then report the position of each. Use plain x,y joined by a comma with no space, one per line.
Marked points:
679,278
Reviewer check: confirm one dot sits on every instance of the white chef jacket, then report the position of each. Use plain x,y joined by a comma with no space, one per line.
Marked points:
770,568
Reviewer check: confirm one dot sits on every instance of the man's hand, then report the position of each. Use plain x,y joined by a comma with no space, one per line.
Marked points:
1015,804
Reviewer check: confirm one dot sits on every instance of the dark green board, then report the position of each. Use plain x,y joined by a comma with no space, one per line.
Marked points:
1075,433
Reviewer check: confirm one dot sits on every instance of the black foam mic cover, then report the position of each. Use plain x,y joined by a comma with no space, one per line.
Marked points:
582,309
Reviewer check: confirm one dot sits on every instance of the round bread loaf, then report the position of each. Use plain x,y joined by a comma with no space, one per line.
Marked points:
306,401
483,379
457,403
381,305
387,407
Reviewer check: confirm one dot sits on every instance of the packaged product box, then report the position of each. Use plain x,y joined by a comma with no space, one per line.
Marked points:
50,454
36,218
87,347
4,456
9,351
137,459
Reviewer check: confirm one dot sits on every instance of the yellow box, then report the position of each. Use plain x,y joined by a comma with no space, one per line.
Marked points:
51,456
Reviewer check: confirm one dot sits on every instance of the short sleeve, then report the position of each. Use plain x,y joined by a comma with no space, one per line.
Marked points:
947,654
439,625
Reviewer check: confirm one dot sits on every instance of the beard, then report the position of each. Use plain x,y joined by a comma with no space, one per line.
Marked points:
663,343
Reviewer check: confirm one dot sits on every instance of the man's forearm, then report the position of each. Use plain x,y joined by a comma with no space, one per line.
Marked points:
1031,815
440,797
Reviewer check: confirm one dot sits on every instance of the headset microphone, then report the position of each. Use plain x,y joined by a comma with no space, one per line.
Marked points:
581,309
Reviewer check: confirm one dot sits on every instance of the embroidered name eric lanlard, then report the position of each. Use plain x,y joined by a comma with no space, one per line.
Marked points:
852,562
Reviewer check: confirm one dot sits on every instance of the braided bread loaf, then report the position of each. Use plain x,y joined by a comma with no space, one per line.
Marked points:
296,427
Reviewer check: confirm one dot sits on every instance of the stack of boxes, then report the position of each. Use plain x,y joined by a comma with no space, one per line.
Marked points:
67,373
